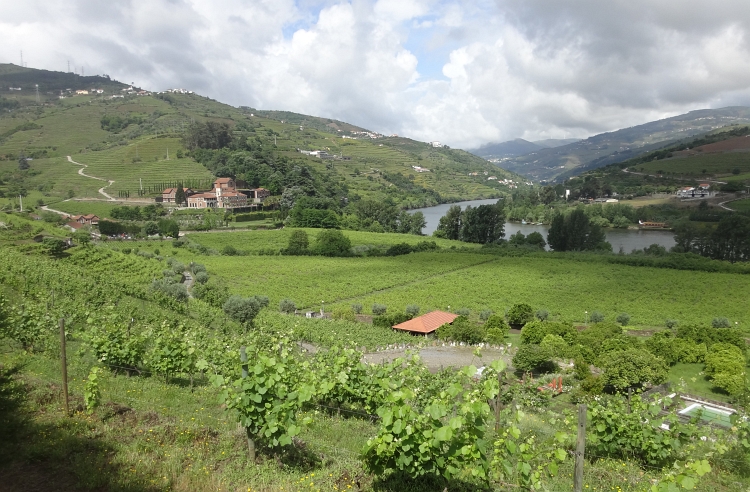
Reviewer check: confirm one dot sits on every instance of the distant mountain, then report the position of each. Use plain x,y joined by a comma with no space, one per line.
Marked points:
551,143
511,148
609,148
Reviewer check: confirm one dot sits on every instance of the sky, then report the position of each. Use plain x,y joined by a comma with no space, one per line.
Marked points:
465,73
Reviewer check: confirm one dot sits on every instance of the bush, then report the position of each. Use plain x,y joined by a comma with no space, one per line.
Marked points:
412,310
533,358
379,309
623,319
212,294
343,314
462,330
632,368
463,312
298,243
244,309
357,308
485,314
542,315
287,306
520,314
555,345
597,317
229,250
534,332
332,242
671,323
388,321
178,267
720,323
201,277
196,268
497,329
398,249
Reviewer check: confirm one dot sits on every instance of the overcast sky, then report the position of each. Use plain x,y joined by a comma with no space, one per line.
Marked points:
462,72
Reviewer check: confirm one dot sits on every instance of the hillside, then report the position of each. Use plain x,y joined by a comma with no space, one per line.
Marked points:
511,148
609,148
136,142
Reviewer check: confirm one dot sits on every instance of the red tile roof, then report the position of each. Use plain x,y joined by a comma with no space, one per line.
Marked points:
74,225
427,323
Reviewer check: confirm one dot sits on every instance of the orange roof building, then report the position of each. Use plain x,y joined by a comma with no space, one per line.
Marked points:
427,323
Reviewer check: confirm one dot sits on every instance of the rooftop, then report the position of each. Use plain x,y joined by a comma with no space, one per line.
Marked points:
427,323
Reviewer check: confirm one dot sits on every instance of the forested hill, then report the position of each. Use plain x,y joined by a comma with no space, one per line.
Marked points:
135,138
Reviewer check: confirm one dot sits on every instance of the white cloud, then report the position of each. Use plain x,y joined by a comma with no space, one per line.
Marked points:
510,68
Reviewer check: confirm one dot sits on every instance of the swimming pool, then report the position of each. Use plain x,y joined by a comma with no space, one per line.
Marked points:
709,413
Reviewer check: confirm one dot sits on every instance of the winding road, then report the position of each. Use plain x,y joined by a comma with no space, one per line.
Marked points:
101,190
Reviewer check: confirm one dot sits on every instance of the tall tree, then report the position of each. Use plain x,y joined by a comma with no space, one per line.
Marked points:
179,195
484,224
449,226
575,232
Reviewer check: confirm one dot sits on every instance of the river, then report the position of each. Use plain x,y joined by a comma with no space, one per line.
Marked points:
627,239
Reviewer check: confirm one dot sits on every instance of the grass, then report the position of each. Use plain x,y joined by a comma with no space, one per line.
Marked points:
560,284
695,382
740,205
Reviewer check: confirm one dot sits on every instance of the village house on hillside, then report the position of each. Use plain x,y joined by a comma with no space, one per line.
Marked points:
168,195
89,219
223,195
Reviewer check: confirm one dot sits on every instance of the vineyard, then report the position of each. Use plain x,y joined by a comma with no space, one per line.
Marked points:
171,393
563,285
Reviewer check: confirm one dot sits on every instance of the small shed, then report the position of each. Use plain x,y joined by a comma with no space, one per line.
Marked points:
427,323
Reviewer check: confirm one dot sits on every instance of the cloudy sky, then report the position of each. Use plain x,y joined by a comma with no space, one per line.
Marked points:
462,72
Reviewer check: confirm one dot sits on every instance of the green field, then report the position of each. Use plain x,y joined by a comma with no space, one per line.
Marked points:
740,205
713,164
100,209
561,285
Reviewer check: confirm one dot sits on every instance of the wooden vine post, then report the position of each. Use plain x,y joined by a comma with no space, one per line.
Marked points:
580,449
64,364
250,441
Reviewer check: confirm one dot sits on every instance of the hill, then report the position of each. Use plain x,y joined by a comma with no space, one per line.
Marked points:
613,147
136,141
556,142
511,148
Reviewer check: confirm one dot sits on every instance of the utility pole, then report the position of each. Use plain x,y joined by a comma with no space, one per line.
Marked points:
20,199
37,92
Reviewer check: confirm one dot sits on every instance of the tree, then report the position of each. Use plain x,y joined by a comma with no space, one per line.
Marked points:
23,163
533,358
484,224
298,243
243,309
632,368
449,226
82,237
150,228
168,227
575,232
520,314
179,195
53,246
731,239
332,242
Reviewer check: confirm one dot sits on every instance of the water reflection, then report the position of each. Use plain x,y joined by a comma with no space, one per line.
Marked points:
627,239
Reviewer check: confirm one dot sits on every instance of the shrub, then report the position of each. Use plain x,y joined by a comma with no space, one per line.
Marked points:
388,321
379,309
463,312
412,310
463,330
555,345
671,323
287,306
178,267
723,357
212,294
399,249
485,314
623,319
533,358
243,309
534,332
520,314
542,314
201,277
720,323
229,250
332,242
496,328
357,308
597,317
196,268
632,368
343,314
298,243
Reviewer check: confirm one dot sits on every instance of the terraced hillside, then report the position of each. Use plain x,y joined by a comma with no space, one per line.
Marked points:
136,141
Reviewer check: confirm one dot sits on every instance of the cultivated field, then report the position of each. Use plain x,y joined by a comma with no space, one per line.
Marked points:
713,164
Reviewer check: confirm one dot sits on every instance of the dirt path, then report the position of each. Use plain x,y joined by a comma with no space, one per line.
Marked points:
439,357
101,190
